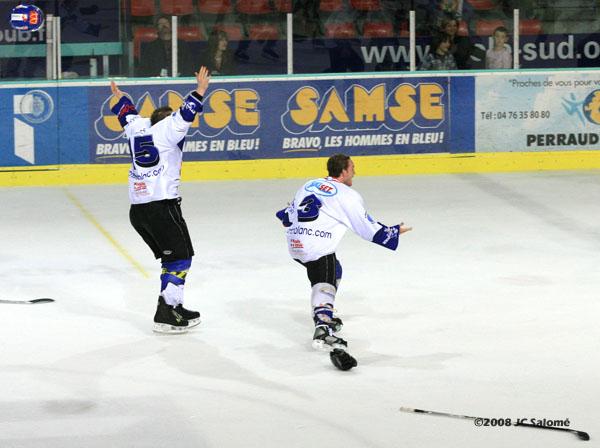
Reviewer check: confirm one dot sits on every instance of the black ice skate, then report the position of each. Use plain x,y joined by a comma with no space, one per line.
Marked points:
324,339
167,319
193,317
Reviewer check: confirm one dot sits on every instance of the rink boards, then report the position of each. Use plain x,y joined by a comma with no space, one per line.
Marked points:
276,127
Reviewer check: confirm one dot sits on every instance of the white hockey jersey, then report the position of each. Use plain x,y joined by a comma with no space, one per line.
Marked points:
321,212
156,151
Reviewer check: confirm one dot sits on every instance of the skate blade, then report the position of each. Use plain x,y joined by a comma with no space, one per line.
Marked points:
168,329
193,323
321,345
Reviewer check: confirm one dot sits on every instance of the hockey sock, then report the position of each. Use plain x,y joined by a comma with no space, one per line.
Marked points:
338,273
172,279
323,314
322,293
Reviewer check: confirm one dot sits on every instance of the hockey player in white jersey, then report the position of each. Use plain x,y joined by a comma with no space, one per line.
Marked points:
156,146
316,220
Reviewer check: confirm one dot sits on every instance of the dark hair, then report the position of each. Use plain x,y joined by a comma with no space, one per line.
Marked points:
162,16
159,114
501,29
446,21
336,164
438,39
214,38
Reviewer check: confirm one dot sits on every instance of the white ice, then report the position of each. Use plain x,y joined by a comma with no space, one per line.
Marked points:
488,308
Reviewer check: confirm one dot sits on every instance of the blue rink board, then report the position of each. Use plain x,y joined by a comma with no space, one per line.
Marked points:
245,120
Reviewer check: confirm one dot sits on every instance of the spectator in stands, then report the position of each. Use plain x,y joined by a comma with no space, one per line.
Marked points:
218,58
155,57
439,56
499,56
306,18
451,8
462,49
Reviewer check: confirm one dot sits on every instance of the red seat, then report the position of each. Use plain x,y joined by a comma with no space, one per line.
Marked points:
190,33
487,27
283,5
378,29
530,26
215,6
482,5
331,5
366,5
143,8
233,30
176,7
404,29
253,7
340,30
263,31
142,34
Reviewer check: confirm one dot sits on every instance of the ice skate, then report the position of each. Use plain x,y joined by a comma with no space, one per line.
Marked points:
193,317
168,320
324,339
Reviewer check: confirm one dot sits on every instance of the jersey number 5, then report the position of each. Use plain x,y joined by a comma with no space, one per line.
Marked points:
308,210
145,154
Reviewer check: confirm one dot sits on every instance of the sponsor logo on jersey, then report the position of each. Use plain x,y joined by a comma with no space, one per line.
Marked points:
146,175
296,244
310,232
369,218
322,188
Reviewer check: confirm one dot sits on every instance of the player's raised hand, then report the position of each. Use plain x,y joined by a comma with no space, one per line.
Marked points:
115,90
203,78
404,228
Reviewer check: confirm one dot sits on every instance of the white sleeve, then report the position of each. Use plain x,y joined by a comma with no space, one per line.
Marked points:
177,125
364,225
352,205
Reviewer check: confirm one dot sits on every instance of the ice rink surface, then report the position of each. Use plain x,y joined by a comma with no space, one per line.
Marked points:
488,308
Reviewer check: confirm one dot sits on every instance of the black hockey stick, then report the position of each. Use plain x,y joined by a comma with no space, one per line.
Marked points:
580,434
28,302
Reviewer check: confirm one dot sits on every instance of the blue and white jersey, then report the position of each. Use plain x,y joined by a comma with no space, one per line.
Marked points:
321,212
157,151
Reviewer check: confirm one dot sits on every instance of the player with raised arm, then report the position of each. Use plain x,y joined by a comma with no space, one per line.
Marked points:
317,219
156,146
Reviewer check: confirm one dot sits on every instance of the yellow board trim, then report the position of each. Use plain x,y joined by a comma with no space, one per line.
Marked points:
310,167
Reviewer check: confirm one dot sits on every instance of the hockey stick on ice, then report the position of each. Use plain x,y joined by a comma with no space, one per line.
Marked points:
580,434
28,302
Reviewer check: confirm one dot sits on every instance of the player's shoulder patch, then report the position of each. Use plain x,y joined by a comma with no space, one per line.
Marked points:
321,187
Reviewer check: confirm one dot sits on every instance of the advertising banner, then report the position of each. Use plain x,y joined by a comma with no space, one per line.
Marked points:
29,127
533,112
294,118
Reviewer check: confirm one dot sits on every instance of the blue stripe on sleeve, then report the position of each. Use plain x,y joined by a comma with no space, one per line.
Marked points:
387,236
283,217
191,106
122,109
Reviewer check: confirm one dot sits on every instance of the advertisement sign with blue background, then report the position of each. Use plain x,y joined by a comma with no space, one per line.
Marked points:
259,119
